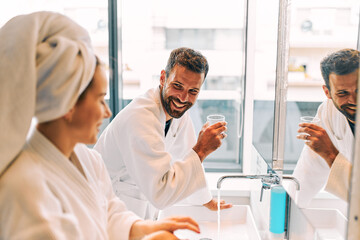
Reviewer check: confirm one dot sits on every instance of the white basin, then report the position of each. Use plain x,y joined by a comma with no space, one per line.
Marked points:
236,222
327,223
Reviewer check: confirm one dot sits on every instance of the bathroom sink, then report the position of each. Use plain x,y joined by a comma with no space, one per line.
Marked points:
327,223
236,222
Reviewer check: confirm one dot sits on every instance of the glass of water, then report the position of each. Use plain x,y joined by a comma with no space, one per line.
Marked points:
214,118
309,119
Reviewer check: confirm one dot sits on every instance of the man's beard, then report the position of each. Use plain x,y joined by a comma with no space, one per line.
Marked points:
167,105
343,108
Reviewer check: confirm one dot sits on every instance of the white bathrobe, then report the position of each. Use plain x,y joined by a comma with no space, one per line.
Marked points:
313,172
44,196
148,169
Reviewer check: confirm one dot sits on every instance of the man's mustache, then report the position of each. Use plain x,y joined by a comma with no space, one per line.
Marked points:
178,100
348,105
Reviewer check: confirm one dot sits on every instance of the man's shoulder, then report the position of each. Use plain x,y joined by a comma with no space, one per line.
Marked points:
149,101
328,109
139,113
144,105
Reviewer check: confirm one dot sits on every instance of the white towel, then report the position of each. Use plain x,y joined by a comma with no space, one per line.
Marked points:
46,61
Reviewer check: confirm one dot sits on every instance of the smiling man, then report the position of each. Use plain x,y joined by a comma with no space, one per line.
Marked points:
326,159
150,148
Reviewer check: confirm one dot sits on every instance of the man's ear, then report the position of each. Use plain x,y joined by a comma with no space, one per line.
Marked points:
162,78
326,91
69,115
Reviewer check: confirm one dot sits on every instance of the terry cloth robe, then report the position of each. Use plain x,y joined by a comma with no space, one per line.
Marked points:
149,170
44,196
313,172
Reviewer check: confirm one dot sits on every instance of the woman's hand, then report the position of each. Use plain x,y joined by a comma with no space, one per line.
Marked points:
160,235
146,227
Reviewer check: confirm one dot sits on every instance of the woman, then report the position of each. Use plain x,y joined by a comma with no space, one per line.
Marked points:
52,186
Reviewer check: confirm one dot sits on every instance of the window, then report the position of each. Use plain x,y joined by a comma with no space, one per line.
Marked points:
147,31
93,16
204,39
217,30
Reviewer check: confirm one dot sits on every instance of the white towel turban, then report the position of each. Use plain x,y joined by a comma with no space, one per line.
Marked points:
46,61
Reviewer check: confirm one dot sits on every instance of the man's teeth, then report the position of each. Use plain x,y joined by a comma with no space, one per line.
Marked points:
177,105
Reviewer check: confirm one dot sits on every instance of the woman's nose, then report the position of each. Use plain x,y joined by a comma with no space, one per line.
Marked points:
108,112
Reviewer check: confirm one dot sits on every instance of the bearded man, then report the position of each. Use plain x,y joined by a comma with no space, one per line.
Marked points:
150,148
326,160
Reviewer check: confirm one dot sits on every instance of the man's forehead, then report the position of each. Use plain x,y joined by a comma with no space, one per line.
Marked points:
186,76
344,80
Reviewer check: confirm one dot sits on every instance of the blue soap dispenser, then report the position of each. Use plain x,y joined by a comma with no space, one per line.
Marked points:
277,209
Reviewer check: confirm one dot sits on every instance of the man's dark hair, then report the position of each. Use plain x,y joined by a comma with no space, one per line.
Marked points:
188,58
342,62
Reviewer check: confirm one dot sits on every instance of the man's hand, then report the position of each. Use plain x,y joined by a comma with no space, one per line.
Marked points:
210,139
319,141
213,205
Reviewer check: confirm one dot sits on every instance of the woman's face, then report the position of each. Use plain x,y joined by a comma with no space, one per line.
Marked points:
90,111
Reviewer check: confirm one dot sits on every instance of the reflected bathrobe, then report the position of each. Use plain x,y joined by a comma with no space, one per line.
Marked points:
44,196
313,172
148,170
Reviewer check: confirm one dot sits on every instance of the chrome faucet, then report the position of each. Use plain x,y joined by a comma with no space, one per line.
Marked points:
267,180
297,183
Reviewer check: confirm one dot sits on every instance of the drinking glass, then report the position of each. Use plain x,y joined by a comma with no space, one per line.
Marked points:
214,118
309,119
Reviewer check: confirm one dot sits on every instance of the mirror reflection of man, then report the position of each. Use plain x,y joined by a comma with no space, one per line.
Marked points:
327,155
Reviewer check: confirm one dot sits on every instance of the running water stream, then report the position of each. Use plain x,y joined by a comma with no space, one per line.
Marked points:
218,214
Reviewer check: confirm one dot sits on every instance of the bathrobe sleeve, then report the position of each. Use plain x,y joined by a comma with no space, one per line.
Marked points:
312,172
339,178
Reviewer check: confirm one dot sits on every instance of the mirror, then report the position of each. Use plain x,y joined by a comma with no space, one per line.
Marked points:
317,28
